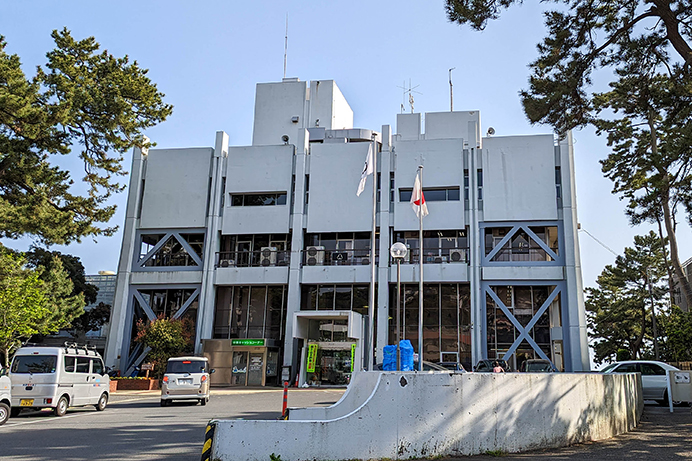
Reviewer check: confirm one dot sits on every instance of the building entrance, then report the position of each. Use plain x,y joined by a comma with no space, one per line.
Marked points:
331,363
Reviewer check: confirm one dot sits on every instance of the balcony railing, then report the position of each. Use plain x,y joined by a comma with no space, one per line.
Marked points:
258,258
433,255
523,254
316,256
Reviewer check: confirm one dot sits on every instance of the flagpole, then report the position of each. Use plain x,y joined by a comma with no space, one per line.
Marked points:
371,307
420,264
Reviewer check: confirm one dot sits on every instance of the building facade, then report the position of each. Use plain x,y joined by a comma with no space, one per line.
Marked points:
266,248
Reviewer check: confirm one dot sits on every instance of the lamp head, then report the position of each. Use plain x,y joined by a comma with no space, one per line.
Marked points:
398,250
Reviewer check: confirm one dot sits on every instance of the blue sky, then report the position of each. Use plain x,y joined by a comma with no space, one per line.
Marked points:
208,56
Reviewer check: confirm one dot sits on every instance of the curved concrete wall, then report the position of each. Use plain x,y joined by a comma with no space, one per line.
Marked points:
431,414
359,389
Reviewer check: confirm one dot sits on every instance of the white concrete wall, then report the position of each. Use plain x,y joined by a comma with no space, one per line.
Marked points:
443,162
359,389
519,178
258,169
446,125
175,189
275,106
328,105
412,415
335,171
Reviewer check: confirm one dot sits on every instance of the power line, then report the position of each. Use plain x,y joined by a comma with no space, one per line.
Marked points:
598,241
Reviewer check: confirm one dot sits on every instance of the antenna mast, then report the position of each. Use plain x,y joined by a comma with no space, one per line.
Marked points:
285,45
451,93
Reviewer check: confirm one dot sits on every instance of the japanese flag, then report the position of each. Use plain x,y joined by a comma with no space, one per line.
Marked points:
418,199
367,170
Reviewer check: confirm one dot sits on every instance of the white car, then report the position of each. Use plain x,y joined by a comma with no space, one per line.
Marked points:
5,397
654,381
186,378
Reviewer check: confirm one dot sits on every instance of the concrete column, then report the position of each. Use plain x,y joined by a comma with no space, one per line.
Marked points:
478,329
118,327
295,271
385,163
207,296
575,343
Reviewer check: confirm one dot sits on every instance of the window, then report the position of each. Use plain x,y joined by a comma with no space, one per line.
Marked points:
70,364
250,312
433,194
172,253
97,366
264,199
558,185
479,175
627,368
466,185
651,369
82,365
34,364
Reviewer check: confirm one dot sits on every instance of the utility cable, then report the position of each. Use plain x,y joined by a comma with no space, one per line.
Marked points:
598,241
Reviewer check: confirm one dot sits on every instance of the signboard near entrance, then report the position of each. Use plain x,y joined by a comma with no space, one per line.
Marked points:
353,355
312,358
247,342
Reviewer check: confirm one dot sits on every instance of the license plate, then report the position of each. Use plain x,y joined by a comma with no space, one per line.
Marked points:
184,381
26,402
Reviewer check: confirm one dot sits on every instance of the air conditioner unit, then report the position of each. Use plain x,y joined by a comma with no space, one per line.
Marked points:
457,256
226,263
314,256
268,256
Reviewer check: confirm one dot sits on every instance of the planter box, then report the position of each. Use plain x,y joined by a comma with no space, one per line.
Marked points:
134,385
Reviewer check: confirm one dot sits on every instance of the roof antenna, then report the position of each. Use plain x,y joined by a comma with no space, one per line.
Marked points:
285,45
451,94
410,91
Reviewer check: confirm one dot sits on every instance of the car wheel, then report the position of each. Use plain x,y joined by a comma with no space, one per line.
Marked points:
663,402
103,401
203,401
61,408
164,402
4,413
14,412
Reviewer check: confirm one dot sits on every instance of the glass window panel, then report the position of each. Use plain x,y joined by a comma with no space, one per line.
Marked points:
361,299
236,200
504,328
453,194
340,330
308,299
326,298
256,308
281,199
328,241
431,305
239,319
464,303
343,298
405,195
326,329
435,195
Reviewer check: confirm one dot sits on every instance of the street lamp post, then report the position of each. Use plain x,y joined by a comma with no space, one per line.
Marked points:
653,313
398,251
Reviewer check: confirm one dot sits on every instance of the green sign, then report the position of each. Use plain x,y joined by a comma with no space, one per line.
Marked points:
312,358
353,355
247,342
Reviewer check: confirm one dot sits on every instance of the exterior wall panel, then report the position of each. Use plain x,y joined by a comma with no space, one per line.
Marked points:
176,186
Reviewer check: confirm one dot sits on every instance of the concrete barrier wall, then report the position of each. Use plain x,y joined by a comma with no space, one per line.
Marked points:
359,389
437,414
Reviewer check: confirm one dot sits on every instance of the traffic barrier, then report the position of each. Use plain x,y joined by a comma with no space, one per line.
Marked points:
285,406
208,441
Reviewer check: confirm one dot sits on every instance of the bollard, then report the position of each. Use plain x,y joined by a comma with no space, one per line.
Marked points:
285,406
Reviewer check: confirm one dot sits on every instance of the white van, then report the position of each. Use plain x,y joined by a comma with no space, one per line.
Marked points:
5,398
57,378
186,378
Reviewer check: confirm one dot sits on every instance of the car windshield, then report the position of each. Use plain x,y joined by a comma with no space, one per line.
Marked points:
608,368
186,366
538,366
34,364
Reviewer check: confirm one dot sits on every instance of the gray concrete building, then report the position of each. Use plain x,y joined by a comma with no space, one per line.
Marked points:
266,248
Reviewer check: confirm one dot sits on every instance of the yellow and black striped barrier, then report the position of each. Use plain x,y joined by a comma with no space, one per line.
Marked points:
208,440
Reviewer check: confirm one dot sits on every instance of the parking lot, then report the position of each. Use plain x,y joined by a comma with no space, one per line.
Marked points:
134,426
